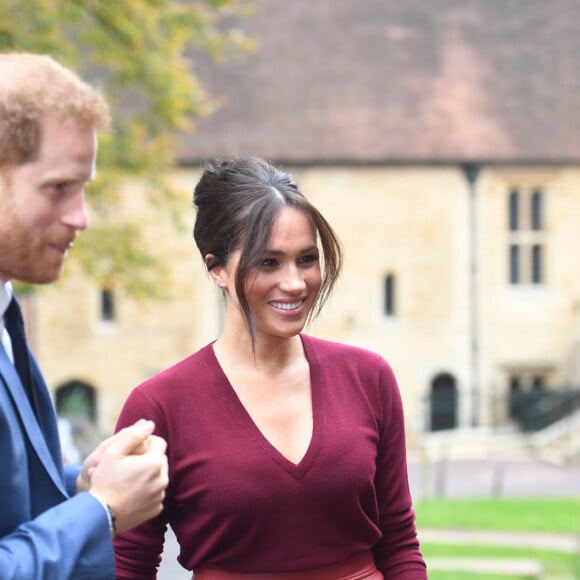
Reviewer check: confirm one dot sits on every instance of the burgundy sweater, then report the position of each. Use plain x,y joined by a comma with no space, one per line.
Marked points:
235,502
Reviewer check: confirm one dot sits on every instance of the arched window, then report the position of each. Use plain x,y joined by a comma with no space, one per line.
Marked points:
443,402
76,399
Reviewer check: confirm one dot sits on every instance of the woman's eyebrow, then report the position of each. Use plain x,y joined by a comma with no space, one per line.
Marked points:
313,248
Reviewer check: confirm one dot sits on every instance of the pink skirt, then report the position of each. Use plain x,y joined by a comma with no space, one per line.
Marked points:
359,567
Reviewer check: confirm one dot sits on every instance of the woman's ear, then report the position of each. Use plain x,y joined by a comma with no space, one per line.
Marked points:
210,262
216,271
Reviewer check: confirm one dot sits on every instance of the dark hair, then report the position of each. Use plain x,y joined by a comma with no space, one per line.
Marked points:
237,201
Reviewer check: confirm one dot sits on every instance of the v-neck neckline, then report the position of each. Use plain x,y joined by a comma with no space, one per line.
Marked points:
297,470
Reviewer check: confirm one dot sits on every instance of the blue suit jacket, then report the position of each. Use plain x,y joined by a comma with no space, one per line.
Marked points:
45,533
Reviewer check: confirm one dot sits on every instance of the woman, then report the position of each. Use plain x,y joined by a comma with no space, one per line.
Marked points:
286,452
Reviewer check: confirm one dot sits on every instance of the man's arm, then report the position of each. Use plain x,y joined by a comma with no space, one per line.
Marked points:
70,540
127,472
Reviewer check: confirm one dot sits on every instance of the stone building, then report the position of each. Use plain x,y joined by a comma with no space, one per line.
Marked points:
442,140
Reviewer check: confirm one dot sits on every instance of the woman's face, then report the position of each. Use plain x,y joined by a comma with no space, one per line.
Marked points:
283,289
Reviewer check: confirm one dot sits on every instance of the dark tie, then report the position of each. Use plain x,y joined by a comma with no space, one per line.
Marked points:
15,327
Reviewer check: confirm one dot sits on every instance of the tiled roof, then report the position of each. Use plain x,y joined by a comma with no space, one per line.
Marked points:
372,81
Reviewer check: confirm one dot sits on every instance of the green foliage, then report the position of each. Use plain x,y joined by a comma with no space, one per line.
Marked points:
141,52
118,261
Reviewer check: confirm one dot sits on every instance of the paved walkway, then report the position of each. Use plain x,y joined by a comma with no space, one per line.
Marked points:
569,543
170,568
491,477
518,567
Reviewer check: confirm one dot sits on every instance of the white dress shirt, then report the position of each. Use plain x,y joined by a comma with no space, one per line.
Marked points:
5,297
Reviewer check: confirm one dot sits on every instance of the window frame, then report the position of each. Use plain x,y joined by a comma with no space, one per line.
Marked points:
526,238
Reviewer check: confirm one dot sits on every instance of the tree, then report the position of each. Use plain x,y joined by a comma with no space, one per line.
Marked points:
140,52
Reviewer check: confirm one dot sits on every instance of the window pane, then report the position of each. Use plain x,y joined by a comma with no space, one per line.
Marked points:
515,398
514,272
537,210
514,204
389,295
107,305
515,384
537,264
538,383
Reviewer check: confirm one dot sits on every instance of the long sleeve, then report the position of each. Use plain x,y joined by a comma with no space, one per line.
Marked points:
71,473
397,554
68,541
44,533
138,551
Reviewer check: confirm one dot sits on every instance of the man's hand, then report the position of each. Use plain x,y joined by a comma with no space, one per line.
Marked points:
142,428
129,473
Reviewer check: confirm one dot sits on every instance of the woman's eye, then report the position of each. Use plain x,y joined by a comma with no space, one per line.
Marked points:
309,259
269,262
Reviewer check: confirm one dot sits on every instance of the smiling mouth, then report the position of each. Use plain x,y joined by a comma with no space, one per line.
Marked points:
63,247
287,305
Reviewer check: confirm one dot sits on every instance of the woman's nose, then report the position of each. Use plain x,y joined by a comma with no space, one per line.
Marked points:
293,280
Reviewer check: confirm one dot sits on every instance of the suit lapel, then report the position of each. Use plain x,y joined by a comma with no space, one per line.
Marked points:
46,446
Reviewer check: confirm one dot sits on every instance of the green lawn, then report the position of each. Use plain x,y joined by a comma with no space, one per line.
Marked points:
543,514
520,515
461,576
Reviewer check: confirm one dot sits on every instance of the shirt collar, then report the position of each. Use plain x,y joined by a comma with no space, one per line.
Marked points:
5,296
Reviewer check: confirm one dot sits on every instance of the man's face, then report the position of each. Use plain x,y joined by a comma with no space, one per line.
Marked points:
42,206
